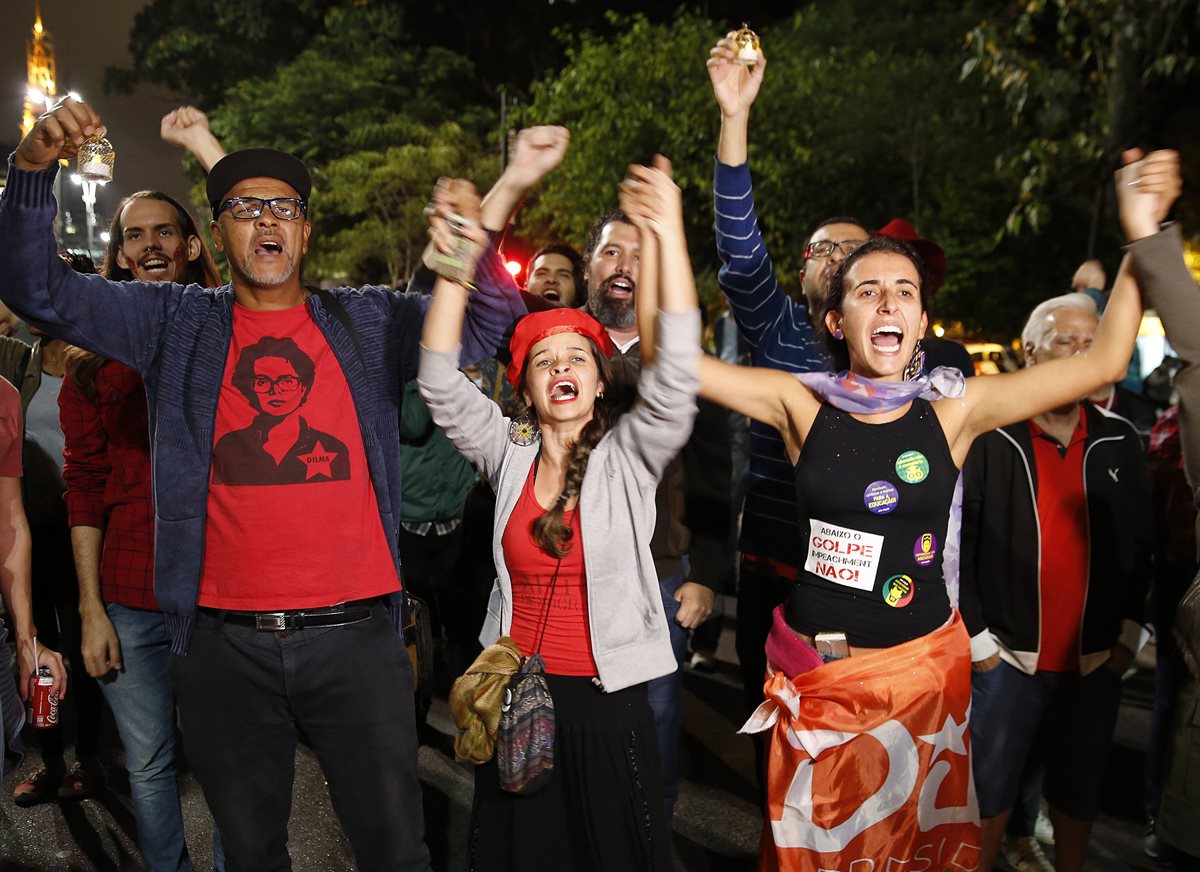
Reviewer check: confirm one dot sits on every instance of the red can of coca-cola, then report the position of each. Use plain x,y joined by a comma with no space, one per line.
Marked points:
43,701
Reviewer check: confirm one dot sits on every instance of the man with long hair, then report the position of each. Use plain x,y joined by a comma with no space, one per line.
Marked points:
103,414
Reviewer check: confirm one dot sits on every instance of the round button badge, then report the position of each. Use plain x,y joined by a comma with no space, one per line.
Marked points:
925,549
898,591
912,467
881,497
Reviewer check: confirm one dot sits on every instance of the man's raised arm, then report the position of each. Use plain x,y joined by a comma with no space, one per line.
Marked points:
118,320
747,275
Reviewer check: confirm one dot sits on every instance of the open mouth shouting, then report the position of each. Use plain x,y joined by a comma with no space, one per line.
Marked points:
564,391
887,338
550,292
154,267
620,287
268,246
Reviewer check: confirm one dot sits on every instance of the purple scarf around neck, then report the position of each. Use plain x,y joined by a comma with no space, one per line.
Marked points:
859,395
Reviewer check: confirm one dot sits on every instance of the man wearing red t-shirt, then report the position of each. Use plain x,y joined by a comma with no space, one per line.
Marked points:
274,418
1055,548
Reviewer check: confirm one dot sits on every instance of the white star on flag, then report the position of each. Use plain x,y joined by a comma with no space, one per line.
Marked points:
949,736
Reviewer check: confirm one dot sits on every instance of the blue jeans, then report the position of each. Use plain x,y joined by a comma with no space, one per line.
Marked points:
666,700
143,705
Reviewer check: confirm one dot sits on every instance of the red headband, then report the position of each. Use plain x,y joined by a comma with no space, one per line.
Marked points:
536,326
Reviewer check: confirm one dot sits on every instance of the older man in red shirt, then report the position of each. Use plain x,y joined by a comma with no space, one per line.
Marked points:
1055,550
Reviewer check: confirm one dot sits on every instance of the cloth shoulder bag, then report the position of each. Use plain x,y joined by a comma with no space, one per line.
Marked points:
525,739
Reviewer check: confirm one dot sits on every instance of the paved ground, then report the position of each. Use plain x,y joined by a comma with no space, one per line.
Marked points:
716,824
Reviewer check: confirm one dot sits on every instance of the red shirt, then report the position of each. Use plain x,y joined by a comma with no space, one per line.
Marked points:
293,522
1062,514
12,430
107,472
567,641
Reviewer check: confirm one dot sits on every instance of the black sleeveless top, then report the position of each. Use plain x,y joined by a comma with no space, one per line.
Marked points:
875,501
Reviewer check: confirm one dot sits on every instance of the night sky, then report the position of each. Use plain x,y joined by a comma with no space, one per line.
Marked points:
89,36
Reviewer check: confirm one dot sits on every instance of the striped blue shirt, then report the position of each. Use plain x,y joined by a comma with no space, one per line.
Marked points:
780,337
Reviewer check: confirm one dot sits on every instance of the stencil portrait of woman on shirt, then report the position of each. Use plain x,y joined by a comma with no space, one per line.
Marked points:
279,446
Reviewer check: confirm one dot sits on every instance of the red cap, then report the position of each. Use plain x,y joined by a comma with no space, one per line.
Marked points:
536,326
931,253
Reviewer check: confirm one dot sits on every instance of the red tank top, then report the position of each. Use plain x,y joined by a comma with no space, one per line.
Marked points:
567,640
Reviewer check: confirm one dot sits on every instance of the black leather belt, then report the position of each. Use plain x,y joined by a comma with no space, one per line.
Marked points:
278,622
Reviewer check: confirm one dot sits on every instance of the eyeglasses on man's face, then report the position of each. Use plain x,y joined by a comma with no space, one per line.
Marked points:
826,247
283,208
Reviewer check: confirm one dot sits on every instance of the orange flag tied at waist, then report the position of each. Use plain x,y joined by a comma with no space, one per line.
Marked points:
869,767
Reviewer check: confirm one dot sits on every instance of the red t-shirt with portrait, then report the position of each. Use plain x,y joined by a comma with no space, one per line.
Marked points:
293,522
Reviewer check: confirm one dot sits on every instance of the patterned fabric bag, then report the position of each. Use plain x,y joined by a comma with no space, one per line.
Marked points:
525,740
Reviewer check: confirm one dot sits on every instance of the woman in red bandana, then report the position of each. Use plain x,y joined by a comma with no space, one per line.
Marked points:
575,482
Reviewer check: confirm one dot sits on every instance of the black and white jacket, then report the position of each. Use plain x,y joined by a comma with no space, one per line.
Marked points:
1002,542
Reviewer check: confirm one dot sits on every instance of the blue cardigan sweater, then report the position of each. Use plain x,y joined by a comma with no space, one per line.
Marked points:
779,334
177,338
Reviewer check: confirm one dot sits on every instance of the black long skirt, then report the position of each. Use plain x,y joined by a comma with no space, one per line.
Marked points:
601,810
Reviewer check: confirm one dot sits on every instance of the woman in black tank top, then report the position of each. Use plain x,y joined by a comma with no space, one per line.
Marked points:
877,450
887,443
873,559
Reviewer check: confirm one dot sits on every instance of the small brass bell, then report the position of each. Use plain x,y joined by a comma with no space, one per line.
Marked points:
96,159
747,45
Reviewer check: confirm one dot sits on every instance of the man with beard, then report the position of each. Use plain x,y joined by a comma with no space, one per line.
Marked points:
110,510
692,542
781,335
275,634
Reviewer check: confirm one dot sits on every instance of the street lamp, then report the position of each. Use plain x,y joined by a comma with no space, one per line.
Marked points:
89,205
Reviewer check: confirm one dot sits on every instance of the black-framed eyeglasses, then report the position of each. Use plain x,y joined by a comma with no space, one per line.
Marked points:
826,247
285,384
283,208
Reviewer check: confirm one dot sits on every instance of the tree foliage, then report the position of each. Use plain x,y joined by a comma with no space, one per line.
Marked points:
383,193
199,48
862,113
368,111
1081,80
993,127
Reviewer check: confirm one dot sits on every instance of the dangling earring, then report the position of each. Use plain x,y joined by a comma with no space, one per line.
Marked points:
916,363
523,430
